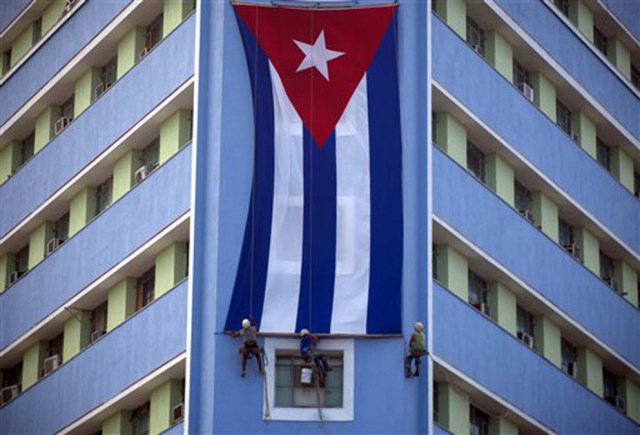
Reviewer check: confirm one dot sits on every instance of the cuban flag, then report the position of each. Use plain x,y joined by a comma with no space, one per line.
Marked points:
322,246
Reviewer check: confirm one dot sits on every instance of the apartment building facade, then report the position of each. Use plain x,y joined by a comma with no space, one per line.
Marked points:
126,144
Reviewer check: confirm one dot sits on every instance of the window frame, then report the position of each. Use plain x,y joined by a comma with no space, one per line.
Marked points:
475,35
475,154
563,117
600,41
603,154
478,419
344,413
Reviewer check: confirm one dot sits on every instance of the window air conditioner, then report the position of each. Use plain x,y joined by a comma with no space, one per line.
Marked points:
572,369
144,52
8,393
572,249
13,277
141,173
482,307
478,49
526,214
61,124
51,363
177,413
526,338
96,334
618,402
53,244
527,91
68,5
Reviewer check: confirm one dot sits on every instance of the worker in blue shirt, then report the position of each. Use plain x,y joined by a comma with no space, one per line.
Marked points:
308,351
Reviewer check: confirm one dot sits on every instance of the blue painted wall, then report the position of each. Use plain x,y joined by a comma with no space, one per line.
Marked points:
628,12
99,126
160,199
224,167
501,106
510,239
9,10
482,350
54,54
577,59
145,342
176,429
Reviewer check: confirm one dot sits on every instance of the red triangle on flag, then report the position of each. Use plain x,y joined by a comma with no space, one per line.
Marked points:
320,55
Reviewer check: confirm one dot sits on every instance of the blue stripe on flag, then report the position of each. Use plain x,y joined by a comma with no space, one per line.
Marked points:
249,288
319,239
384,310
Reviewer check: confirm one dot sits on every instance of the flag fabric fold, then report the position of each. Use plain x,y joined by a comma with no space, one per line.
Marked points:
322,247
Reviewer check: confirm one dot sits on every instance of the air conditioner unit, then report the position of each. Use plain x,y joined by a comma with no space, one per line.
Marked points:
53,244
51,363
96,334
144,52
526,214
572,369
618,402
61,124
526,338
482,307
177,413
141,173
527,91
572,249
8,393
100,89
13,277
478,49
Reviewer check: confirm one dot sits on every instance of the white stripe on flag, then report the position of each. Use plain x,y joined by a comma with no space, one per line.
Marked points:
282,292
353,226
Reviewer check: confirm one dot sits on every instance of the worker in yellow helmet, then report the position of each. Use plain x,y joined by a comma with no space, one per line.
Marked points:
415,352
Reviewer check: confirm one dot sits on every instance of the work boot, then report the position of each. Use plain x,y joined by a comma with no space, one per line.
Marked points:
242,374
416,373
407,372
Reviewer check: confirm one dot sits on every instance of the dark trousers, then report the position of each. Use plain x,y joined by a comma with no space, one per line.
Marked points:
249,350
415,357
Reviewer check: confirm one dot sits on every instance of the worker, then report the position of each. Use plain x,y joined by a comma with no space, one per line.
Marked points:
415,352
249,346
308,351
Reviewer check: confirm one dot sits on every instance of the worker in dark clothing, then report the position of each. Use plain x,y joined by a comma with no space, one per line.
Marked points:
415,352
308,351
249,346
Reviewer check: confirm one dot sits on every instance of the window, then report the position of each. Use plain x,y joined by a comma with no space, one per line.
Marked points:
434,123
37,30
563,118
563,5
145,288
603,154
479,421
478,293
103,196
149,160
567,238
140,420
61,228
98,321
607,271
107,77
600,40
636,184
635,76
522,80
153,33
609,384
291,399
6,61
434,262
53,356
476,161
524,326
66,109
436,400
20,264
12,376
291,391
475,36
523,201
569,358
26,149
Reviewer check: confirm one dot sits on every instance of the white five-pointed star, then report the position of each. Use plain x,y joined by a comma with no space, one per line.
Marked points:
317,56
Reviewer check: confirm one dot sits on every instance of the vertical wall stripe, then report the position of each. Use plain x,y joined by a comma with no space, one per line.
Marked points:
386,190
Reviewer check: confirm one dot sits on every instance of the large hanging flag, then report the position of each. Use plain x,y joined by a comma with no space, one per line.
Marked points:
323,241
